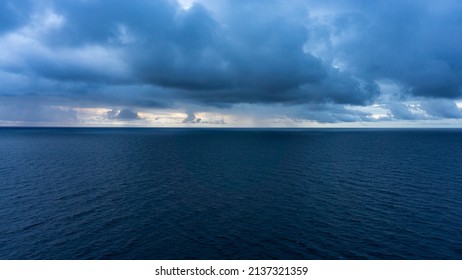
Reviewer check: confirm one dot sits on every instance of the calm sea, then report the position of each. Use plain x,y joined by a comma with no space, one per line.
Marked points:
230,194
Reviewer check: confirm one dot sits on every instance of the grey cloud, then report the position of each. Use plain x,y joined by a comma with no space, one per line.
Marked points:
28,110
415,43
401,111
253,52
224,53
341,88
14,13
441,108
332,113
191,118
425,109
124,114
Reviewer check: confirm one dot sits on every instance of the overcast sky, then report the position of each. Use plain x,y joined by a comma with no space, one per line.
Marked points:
296,63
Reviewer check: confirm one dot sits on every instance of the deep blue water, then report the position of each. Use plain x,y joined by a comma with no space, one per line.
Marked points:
230,194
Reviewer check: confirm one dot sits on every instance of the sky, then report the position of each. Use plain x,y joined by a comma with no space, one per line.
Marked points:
231,63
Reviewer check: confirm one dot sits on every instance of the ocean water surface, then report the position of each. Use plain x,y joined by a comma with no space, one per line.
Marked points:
88,193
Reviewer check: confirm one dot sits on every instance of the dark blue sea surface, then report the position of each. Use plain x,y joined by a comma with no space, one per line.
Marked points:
230,194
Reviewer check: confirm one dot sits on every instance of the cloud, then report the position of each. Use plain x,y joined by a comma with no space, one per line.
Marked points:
14,13
442,108
124,115
324,55
162,45
31,110
414,43
191,118
331,113
401,111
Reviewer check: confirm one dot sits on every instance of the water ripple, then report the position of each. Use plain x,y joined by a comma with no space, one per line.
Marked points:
230,194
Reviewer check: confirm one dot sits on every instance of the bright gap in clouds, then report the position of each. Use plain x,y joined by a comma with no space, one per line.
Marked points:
186,4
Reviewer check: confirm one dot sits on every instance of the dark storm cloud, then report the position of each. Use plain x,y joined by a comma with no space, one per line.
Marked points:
158,43
222,53
415,43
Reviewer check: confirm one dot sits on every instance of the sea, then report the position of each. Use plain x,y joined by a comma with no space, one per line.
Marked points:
258,194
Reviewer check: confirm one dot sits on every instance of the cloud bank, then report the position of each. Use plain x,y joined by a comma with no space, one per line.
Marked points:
317,57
